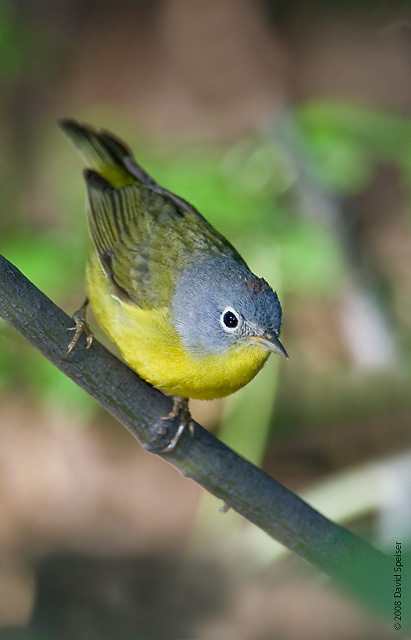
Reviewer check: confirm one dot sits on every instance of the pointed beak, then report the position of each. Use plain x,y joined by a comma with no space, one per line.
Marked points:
271,342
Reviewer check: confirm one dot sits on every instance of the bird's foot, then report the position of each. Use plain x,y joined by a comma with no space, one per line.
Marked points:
80,327
181,411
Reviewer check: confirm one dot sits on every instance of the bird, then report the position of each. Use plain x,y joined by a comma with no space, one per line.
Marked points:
174,295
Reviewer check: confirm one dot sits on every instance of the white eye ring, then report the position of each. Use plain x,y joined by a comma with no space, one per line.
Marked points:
229,320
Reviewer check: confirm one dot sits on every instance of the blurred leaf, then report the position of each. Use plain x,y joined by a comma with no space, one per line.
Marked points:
55,390
50,260
347,140
311,259
343,163
10,41
27,47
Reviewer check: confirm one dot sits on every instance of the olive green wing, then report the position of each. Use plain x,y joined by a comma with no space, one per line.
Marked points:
144,240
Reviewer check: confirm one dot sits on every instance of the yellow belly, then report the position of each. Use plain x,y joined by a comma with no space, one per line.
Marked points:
150,345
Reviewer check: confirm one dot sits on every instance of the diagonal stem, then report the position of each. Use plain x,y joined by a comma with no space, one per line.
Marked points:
350,561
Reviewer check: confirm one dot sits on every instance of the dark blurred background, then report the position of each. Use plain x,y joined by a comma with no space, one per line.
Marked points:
287,124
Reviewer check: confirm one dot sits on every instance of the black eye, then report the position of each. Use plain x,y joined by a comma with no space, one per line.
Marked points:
230,319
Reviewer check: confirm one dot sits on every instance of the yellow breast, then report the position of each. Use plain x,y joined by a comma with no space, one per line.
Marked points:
150,345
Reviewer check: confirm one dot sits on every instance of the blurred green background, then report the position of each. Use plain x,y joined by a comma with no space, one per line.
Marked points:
287,125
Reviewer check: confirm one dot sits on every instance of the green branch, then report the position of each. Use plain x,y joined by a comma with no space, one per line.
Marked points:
347,559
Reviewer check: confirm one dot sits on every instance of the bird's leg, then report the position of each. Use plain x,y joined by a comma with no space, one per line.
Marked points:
180,409
80,327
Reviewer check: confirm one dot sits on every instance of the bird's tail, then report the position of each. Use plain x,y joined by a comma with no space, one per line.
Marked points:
112,159
102,152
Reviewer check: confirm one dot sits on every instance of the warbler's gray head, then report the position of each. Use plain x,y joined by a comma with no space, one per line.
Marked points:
220,302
